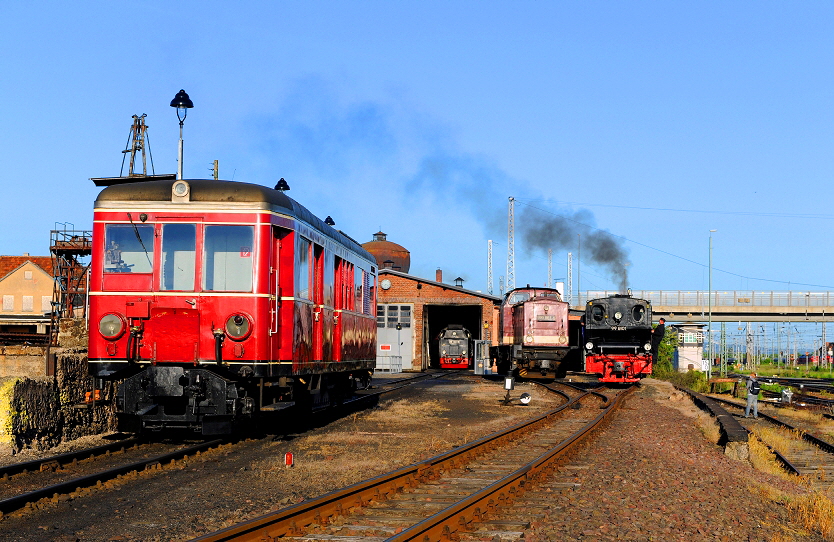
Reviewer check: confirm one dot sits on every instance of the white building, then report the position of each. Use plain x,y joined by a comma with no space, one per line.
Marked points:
690,353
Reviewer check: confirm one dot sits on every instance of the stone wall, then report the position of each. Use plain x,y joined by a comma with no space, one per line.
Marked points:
39,411
22,360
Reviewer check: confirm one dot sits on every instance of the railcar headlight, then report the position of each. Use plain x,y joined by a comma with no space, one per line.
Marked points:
618,316
111,326
647,346
589,345
238,327
444,352
528,338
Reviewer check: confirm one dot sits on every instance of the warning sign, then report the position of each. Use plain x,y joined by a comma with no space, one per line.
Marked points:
385,347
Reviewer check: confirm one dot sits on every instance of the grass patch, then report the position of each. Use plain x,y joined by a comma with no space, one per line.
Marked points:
814,512
763,459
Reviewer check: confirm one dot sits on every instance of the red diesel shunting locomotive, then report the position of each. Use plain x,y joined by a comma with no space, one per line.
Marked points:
212,301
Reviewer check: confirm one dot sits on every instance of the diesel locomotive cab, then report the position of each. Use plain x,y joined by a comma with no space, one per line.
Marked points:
617,338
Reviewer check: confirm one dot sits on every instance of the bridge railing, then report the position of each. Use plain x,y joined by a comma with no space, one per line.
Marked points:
722,298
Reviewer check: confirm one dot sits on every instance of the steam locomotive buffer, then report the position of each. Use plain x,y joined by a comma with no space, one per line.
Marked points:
214,301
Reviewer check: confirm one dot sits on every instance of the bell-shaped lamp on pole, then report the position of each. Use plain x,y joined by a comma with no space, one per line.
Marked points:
183,103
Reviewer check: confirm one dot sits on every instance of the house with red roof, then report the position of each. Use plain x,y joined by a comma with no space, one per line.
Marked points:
26,285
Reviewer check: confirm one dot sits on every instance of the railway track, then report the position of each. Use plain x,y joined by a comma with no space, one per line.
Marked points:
807,456
37,490
24,484
448,494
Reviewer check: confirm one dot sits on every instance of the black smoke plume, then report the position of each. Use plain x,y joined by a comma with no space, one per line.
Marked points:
541,230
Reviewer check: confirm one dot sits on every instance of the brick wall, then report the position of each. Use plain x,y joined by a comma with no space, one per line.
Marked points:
412,290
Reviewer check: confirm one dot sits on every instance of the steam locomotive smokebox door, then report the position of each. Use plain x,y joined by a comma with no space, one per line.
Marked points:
175,335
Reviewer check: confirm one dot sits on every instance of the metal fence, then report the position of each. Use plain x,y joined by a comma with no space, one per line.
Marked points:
389,364
722,298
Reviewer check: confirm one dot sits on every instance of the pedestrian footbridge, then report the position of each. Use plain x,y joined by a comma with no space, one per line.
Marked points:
731,305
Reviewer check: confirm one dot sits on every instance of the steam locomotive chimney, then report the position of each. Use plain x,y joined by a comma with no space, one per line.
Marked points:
438,276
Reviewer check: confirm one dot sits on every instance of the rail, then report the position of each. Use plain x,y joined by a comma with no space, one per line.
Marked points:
292,521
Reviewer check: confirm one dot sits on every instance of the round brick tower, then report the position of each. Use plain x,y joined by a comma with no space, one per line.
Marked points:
388,255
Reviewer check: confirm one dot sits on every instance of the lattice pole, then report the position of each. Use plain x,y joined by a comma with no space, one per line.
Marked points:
511,246
489,268
550,268
570,278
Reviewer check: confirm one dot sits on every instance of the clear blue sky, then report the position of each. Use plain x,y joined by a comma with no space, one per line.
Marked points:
654,121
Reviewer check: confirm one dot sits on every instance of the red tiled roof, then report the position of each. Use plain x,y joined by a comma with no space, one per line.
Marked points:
10,263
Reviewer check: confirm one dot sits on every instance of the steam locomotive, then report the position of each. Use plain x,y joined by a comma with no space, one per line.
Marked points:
534,333
456,347
215,301
618,338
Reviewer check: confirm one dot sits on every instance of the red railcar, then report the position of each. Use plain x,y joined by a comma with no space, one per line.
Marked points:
534,332
212,301
618,338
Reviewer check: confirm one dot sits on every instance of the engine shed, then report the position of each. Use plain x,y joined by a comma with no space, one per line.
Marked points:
412,311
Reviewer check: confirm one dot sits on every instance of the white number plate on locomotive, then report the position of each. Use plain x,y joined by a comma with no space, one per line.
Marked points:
546,317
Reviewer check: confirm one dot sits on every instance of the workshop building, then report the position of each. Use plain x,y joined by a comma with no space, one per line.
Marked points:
411,312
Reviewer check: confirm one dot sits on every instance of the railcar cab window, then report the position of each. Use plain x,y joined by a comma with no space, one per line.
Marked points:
637,313
179,259
227,264
128,248
598,313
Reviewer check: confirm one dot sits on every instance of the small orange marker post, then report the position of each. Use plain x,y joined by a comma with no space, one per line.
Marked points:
288,459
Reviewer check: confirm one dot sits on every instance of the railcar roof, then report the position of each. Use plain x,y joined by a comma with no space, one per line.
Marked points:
233,192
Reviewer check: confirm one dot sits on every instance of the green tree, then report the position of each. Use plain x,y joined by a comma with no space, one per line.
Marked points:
665,353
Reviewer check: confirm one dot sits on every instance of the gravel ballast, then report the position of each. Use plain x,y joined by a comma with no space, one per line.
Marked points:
650,475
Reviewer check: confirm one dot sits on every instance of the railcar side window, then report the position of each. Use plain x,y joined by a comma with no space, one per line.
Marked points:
179,255
128,248
227,264
302,280
359,289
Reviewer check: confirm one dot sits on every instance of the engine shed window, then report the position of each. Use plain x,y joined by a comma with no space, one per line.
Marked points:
598,313
179,256
128,248
228,258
